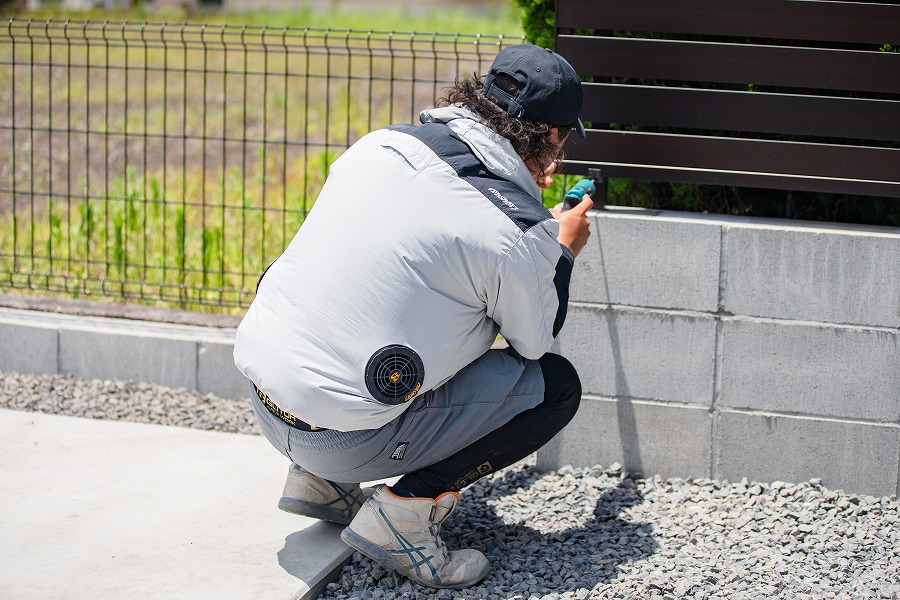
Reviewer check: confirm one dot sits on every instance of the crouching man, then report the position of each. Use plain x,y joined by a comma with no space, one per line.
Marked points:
368,344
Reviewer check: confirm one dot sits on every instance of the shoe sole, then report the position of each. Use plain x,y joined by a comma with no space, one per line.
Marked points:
316,511
380,555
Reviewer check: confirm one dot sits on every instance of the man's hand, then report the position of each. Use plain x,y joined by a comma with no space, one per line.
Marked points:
574,226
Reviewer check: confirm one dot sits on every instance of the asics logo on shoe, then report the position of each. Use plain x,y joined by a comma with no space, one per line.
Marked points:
345,497
410,552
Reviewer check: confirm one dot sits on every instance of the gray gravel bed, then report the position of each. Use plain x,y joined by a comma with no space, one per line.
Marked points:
592,533
124,401
582,533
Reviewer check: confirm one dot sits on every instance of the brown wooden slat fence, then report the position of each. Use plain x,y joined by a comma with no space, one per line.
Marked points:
784,94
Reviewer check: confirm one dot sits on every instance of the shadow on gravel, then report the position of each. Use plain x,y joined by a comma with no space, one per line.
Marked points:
570,540
542,535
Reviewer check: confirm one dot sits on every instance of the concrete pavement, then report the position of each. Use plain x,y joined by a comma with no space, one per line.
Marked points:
109,509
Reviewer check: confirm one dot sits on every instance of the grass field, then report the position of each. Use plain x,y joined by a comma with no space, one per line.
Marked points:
168,163
490,18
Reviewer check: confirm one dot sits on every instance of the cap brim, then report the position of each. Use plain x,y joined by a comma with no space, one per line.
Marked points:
579,128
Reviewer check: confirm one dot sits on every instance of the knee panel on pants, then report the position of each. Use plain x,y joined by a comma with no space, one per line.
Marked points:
562,386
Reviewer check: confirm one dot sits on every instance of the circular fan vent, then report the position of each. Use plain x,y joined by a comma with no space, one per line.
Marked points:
394,374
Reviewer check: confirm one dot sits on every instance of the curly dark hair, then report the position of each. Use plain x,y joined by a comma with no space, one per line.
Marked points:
531,140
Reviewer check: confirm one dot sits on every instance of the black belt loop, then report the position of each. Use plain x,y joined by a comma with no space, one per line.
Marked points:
284,415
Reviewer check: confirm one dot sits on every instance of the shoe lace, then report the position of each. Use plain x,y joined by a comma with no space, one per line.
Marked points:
435,530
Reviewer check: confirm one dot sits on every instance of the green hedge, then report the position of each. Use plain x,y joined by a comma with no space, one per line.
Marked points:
539,21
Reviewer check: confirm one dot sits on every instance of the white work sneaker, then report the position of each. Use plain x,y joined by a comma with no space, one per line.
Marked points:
404,534
311,496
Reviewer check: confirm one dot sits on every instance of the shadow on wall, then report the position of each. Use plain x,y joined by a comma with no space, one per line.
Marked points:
628,434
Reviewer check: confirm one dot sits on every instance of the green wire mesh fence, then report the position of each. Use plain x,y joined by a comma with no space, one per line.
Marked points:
170,163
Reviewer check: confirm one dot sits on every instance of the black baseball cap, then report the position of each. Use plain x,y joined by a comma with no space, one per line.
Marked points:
537,84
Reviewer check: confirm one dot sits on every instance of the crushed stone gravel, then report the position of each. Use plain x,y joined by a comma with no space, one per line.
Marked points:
124,401
589,533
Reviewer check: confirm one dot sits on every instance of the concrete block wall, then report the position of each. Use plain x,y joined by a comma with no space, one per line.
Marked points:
179,356
725,347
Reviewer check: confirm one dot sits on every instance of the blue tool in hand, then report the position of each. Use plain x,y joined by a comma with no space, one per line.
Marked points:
582,187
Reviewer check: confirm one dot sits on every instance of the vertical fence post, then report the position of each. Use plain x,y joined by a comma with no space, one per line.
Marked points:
181,225
88,216
31,128
50,200
263,200
127,199
244,164
164,201
224,158
69,233
327,46
349,85
204,249
144,142
306,102
106,190
15,208
284,141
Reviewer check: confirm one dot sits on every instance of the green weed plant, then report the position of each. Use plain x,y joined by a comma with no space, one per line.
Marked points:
161,243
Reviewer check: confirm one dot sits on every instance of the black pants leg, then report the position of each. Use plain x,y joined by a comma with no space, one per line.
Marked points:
514,441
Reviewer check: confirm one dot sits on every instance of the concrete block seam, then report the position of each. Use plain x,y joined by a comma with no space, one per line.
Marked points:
653,310
648,402
58,351
718,349
716,394
805,323
723,262
809,417
197,346
727,316
804,415
897,494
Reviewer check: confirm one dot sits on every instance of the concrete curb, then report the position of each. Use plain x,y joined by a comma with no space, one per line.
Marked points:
175,355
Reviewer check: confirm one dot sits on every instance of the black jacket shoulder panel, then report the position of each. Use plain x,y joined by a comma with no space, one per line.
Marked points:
517,204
